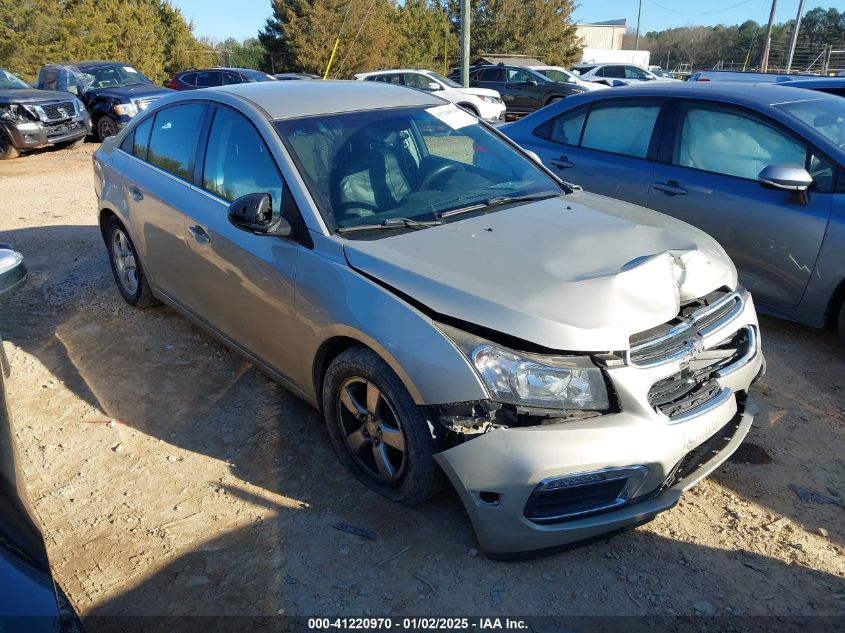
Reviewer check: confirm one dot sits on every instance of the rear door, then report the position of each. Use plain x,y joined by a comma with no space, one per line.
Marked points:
242,284
607,147
156,188
710,160
493,77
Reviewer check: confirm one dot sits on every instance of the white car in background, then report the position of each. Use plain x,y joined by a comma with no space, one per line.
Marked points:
616,74
484,103
560,74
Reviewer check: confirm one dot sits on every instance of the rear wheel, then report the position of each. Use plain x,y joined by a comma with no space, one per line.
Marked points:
379,433
126,267
7,150
106,127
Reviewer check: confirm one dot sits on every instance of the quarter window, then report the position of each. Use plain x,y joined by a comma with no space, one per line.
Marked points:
141,138
621,129
173,140
732,144
237,161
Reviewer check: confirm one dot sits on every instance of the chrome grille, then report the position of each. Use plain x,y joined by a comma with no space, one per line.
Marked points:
681,338
58,111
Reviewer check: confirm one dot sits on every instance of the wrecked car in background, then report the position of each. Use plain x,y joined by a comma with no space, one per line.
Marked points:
113,92
31,118
572,363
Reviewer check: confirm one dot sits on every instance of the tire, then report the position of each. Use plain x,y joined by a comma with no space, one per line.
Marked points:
106,127
126,267
408,476
7,150
841,322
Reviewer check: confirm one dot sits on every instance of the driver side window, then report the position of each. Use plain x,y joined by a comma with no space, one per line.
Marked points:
517,76
237,161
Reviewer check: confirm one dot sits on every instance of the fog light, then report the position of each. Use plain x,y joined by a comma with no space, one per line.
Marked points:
566,497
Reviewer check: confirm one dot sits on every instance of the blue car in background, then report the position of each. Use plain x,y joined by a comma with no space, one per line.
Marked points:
761,168
113,92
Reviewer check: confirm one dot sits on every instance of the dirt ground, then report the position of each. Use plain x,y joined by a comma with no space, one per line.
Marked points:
171,477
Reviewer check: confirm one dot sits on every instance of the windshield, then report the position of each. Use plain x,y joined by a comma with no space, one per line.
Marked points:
113,77
8,80
255,75
366,168
444,80
557,75
825,115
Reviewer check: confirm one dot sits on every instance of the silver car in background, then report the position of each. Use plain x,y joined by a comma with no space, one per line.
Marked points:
572,363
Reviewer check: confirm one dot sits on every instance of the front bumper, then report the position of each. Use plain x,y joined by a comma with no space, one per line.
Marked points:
497,473
35,134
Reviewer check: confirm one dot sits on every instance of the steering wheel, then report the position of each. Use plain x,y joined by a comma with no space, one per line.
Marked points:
439,172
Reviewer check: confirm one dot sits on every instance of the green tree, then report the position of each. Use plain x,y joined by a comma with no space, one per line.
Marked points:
539,28
425,35
181,49
300,34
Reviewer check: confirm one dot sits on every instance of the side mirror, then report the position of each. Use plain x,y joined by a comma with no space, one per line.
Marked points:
254,213
434,86
12,270
534,156
791,178
531,82
787,177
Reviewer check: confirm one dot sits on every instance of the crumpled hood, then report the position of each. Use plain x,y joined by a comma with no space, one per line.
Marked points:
139,91
581,272
31,95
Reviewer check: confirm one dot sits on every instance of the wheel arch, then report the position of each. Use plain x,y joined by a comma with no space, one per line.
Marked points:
837,300
469,107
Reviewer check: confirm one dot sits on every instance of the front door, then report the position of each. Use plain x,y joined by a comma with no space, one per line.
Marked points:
713,158
242,284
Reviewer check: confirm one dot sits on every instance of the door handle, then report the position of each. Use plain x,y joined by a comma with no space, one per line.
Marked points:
562,163
670,188
199,234
136,194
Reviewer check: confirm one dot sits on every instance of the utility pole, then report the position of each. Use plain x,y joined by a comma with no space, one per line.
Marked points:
795,35
465,33
637,39
764,63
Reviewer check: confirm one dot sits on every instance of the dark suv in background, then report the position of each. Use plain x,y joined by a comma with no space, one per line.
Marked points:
32,118
523,90
211,77
113,92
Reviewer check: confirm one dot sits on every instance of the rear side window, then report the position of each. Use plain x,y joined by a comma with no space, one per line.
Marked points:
492,74
621,129
615,72
733,144
173,140
237,161
208,79
141,138
564,129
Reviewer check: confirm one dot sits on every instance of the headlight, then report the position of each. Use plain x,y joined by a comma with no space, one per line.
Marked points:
534,380
490,99
78,106
126,109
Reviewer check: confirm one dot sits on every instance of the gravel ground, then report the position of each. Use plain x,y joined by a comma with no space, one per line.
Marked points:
171,477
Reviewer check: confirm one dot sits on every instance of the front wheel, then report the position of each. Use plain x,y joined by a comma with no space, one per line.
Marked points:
379,433
7,150
126,267
106,127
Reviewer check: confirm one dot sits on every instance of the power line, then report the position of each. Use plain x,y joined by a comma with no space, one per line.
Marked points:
734,6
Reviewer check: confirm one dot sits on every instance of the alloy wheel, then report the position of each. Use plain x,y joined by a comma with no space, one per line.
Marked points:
123,257
371,430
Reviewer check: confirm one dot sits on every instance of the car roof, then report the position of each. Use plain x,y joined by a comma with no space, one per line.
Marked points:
819,82
202,70
290,99
734,92
91,63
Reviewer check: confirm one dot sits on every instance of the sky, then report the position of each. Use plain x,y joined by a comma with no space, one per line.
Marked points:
219,19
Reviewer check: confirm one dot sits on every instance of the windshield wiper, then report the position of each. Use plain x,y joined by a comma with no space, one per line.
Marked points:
497,201
390,223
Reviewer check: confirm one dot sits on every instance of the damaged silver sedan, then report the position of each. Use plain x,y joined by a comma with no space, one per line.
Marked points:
570,362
